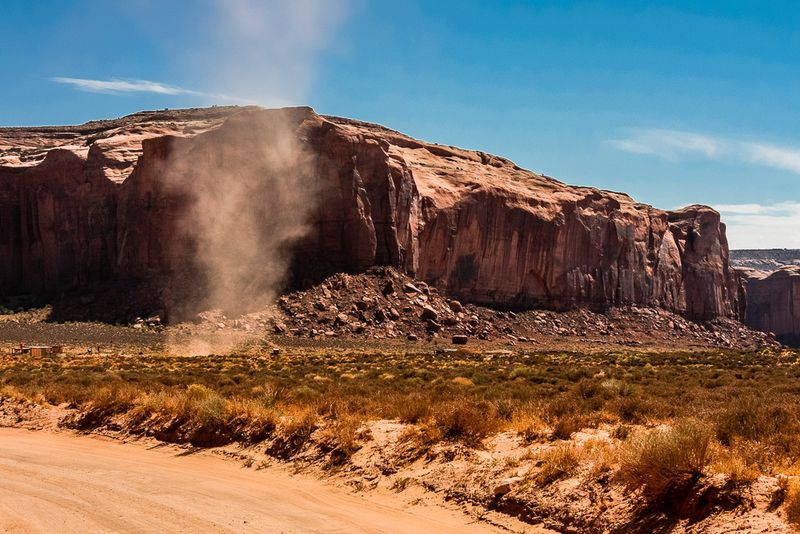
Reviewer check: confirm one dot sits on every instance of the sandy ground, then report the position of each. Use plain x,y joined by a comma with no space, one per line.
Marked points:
54,482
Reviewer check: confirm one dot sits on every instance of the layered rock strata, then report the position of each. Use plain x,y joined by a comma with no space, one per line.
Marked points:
773,302
106,202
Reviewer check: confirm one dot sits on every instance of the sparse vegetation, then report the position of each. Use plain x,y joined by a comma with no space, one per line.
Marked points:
671,416
666,462
792,502
558,462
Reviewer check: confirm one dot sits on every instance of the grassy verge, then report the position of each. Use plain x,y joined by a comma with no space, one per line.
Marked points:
745,402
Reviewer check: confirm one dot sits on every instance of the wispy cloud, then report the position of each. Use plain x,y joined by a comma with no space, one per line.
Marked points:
676,144
668,144
762,225
774,156
116,86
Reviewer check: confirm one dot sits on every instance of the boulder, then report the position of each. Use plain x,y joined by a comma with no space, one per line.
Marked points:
428,314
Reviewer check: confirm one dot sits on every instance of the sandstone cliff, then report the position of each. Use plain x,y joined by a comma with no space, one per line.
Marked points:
773,302
103,201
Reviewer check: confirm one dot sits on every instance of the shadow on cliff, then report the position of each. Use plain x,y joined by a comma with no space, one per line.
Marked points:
790,341
106,302
172,299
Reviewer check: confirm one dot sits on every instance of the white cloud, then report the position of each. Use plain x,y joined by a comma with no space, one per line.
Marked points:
123,86
676,144
762,225
749,225
117,86
669,144
774,156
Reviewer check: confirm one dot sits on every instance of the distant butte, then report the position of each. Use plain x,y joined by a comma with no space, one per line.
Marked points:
86,204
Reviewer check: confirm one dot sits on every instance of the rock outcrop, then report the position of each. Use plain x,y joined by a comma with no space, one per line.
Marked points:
104,202
764,259
773,302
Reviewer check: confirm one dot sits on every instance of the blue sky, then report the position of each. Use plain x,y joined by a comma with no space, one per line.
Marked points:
672,102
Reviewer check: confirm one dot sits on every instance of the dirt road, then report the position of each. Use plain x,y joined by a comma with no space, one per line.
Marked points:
53,482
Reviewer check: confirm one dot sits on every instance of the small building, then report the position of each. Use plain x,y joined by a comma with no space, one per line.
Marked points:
39,350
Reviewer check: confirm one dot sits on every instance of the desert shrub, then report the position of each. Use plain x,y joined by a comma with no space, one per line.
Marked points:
268,395
251,420
631,409
528,425
11,393
506,409
558,462
602,456
559,407
565,426
204,406
732,464
586,389
749,418
791,503
616,388
413,408
464,421
665,461
620,432
341,437
105,403
161,402
114,399
742,418
295,430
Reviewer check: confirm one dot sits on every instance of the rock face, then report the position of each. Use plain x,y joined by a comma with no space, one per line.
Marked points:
773,302
98,202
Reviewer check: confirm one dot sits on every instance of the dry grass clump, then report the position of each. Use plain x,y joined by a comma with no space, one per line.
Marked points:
791,502
466,422
255,418
11,393
413,408
197,414
341,438
564,427
529,425
107,402
602,457
666,462
732,464
753,419
294,431
558,462
203,406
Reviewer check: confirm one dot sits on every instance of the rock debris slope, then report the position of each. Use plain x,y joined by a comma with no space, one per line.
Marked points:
98,202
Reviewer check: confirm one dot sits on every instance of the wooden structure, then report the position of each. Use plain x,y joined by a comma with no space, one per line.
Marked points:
39,350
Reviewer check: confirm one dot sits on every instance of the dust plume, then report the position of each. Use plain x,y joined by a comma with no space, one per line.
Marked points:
250,191
248,188
246,193
266,51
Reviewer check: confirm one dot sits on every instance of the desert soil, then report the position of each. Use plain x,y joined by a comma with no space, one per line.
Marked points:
58,482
